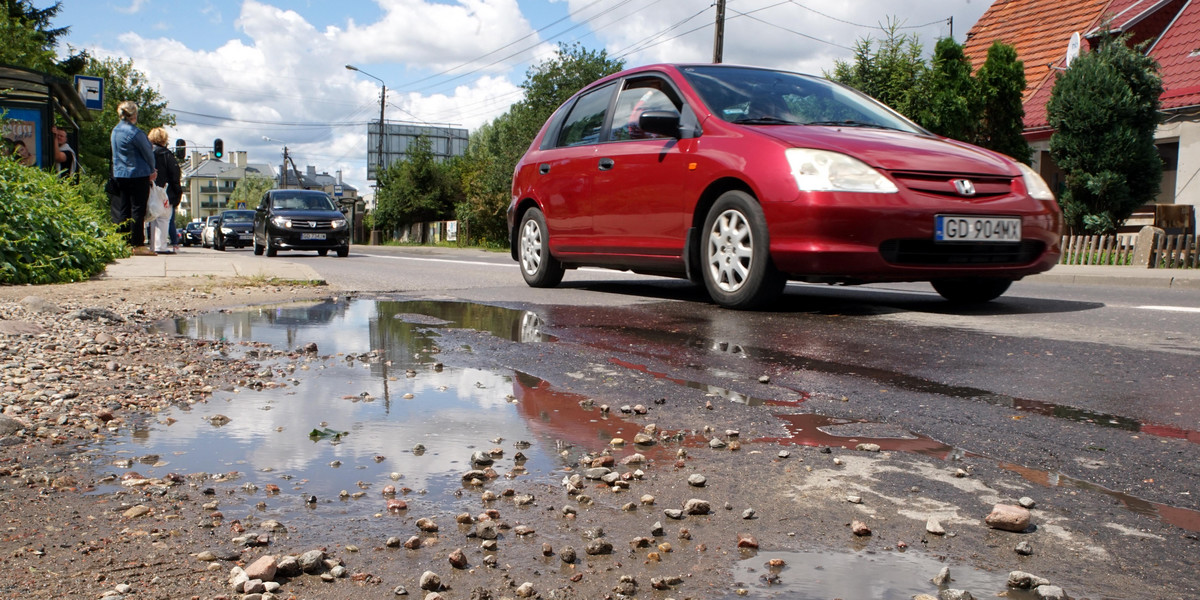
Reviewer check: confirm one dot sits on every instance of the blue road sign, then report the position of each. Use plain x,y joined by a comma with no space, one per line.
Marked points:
91,89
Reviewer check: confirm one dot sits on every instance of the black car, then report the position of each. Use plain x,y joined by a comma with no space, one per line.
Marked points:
234,228
193,234
300,220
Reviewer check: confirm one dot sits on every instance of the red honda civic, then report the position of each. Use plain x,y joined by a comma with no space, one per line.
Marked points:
743,178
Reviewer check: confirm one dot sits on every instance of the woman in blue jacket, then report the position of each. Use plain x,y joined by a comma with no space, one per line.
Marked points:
133,172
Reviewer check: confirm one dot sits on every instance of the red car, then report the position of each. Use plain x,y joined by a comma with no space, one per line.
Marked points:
744,178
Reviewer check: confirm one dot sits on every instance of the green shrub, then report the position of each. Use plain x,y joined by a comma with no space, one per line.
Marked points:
51,230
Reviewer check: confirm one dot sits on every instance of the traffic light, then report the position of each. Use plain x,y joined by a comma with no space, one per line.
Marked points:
180,149
218,148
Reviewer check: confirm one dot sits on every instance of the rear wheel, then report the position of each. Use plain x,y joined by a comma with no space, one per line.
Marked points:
533,252
737,263
970,290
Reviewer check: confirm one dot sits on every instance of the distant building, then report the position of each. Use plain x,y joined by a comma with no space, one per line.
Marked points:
310,179
208,182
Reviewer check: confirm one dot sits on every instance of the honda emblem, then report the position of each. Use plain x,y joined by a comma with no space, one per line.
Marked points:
964,187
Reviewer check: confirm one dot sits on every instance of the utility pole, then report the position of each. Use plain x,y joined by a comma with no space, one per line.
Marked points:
719,33
951,22
382,103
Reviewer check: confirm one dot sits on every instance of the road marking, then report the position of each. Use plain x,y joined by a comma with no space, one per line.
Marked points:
1186,309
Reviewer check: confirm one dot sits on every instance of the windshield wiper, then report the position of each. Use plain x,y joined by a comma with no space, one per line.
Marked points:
853,123
764,120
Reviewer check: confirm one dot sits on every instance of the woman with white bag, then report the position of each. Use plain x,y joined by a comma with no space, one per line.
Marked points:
164,194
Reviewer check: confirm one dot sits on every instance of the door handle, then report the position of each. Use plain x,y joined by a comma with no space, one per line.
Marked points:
606,164
544,168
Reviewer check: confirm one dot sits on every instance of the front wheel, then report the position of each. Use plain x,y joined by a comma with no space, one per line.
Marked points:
971,290
323,252
271,249
538,267
737,263
219,244
343,252
258,249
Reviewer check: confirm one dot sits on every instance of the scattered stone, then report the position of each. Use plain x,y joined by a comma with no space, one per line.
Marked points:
312,561
567,554
427,525
934,526
392,542
853,499
867,447
716,443
657,529
457,559
859,528
745,540
597,472
617,442
481,458
647,499
1008,517
1050,592
413,543
1026,502
262,569
525,590
599,546
748,514
430,581
1025,581
764,379
1024,549
673,513
136,511
643,439
626,586
487,530
696,506
697,480
783,454
955,595
942,578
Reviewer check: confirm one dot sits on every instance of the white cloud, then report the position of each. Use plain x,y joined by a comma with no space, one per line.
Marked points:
133,8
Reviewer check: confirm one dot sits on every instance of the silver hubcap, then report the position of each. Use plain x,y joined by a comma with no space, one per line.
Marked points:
730,251
531,247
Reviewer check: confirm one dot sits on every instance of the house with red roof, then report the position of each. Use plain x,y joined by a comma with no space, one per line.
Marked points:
1040,31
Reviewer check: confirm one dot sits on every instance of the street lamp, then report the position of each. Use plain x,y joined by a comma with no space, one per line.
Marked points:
283,178
382,102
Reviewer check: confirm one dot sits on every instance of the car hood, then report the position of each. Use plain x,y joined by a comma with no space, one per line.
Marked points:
896,150
309,214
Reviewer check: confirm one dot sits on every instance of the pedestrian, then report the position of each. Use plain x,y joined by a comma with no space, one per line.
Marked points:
133,173
168,177
64,156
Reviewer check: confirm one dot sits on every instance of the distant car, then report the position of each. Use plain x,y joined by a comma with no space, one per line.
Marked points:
192,234
234,228
300,220
741,179
206,235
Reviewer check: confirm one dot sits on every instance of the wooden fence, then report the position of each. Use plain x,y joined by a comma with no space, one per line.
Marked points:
1169,252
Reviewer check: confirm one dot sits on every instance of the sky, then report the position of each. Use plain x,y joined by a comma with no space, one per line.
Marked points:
242,70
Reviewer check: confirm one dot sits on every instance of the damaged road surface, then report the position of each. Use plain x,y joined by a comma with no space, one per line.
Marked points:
391,445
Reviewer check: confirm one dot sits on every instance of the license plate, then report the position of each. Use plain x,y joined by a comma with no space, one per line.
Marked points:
970,228
312,236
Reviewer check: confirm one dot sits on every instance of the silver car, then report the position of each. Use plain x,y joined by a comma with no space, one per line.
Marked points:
206,238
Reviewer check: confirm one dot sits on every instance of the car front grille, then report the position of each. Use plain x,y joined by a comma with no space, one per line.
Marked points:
312,225
943,184
928,252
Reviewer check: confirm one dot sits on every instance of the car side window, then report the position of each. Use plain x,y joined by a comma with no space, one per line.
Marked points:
585,123
639,96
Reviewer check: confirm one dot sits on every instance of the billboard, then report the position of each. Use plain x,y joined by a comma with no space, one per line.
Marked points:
444,141
21,133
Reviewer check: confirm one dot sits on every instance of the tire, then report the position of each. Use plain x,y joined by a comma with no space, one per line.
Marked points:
258,249
271,249
323,252
971,290
219,243
735,254
538,267
343,252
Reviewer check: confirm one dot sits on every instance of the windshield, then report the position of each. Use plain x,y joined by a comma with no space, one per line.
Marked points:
763,97
237,216
300,200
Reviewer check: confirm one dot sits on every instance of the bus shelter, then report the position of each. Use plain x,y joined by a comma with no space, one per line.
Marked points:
30,104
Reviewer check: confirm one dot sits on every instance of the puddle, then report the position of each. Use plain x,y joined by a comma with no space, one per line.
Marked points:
818,430
825,575
1183,518
711,390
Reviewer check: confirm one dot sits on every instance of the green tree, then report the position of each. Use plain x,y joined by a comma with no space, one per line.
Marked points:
949,105
416,189
1001,81
29,39
890,71
121,82
251,189
486,171
1104,111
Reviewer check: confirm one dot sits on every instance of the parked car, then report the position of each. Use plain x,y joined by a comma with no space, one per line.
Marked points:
300,220
234,228
193,233
743,178
206,234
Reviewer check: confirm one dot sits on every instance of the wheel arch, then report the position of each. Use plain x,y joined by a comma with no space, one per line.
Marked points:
708,197
518,213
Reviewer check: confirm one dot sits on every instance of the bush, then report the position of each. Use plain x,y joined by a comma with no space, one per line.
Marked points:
51,230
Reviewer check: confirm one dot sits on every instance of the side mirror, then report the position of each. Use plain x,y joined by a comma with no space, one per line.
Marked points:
660,122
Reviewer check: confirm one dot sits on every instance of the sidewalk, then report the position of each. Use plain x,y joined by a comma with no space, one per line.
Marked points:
1120,276
195,261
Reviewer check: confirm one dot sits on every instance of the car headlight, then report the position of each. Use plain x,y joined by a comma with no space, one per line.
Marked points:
226,230
1034,184
283,222
338,223
825,171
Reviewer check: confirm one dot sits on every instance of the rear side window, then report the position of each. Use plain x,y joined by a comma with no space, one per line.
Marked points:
585,123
